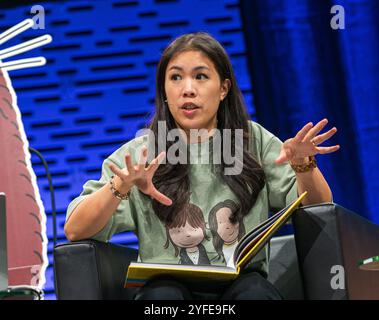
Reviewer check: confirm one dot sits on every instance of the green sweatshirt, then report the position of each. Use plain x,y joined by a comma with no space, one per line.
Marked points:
204,234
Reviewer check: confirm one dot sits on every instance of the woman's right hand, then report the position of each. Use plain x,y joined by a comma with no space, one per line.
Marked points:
140,176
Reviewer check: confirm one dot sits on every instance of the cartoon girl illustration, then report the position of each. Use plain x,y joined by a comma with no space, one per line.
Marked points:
225,233
186,232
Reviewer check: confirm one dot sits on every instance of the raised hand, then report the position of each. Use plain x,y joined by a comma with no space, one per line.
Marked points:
141,176
306,142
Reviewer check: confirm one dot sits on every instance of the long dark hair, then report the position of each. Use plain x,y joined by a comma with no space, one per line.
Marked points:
213,225
172,179
191,214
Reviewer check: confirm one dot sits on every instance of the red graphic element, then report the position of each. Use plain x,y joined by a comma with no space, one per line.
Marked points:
25,214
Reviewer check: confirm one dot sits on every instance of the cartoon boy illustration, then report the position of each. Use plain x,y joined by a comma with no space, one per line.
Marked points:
186,232
225,233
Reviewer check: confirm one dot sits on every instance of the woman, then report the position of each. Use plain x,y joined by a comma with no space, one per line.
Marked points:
197,89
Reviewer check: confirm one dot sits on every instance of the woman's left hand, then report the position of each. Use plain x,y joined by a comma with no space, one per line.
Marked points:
306,142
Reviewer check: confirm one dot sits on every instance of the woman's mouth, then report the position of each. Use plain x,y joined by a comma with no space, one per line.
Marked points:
189,109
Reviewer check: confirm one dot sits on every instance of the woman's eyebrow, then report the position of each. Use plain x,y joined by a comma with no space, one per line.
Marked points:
194,69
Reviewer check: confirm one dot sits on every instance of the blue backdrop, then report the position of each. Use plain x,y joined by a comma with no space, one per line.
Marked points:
304,70
98,86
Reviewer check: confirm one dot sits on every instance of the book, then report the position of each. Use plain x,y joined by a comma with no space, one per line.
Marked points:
248,247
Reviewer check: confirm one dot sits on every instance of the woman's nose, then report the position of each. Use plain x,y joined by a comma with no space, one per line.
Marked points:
189,90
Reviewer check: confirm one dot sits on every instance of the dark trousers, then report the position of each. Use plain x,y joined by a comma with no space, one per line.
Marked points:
250,286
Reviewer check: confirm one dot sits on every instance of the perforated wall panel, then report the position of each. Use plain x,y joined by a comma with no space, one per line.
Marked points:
98,86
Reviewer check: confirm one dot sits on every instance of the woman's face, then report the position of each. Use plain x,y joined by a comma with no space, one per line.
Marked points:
194,90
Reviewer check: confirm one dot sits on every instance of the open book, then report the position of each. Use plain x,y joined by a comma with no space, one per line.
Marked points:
247,248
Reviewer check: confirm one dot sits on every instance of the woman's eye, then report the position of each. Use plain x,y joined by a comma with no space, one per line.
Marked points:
201,76
175,77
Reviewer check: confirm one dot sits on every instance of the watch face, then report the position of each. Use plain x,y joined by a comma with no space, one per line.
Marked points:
369,264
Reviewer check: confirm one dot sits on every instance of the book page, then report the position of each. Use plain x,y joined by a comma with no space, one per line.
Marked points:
261,240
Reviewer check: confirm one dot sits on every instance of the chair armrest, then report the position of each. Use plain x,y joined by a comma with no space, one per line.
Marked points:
329,236
92,270
284,271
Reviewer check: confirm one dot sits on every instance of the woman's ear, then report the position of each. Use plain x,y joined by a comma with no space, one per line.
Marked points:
225,86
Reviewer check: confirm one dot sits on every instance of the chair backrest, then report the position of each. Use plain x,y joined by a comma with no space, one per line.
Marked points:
319,249
330,240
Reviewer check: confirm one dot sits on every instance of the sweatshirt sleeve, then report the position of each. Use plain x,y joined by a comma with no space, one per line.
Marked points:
280,179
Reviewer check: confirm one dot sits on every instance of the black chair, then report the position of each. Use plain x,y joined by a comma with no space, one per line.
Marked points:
327,237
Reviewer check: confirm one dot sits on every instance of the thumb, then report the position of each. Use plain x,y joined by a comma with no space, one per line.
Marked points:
281,158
